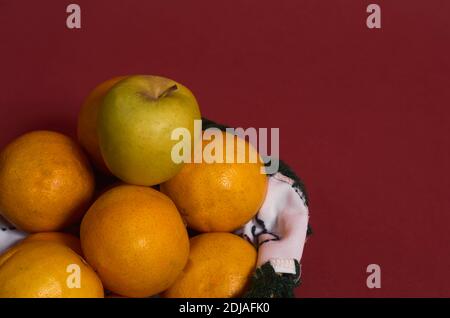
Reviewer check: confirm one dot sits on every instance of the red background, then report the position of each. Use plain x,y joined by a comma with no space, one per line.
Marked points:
363,114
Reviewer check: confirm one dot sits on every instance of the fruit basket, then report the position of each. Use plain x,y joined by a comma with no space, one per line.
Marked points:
158,226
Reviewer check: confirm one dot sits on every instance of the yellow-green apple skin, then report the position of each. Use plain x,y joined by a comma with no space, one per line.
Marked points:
135,125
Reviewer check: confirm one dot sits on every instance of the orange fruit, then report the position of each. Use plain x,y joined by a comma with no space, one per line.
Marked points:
87,122
66,239
44,269
135,239
219,266
46,182
219,197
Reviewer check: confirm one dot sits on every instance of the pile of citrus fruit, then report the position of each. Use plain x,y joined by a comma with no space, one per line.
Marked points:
130,239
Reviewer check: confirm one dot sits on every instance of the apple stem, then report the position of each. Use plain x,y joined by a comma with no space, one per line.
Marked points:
158,87
158,91
168,90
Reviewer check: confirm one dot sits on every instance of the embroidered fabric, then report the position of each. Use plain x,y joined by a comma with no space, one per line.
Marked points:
279,229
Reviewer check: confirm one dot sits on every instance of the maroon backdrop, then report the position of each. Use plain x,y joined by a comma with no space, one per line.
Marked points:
363,114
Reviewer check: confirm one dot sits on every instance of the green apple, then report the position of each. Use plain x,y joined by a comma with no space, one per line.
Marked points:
135,124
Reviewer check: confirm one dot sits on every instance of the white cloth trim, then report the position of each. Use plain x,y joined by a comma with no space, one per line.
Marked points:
285,266
9,235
